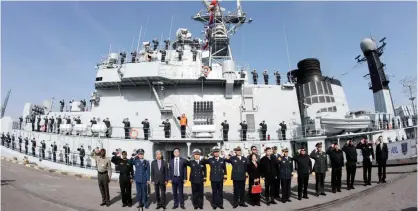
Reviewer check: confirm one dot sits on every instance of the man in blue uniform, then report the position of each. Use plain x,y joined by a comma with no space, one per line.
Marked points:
239,169
217,177
142,178
197,178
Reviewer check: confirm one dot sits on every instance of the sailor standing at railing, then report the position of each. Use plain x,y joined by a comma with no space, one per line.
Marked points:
277,74
38,123
266,77
283,129
122,57
62,103
66,153
126,127
263,129
133,54
33,146
93,121
54,151
244,128
26,145
59,121
167,128
20,143
183,125
8,139
225,130
43,148
145,126
255,76
107,123
51,124
45,124
20,122
82,153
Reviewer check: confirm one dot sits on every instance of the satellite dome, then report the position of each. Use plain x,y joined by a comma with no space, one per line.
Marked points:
367,45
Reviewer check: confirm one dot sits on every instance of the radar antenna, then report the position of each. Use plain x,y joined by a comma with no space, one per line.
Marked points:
360,60
219,26
409,87
3,107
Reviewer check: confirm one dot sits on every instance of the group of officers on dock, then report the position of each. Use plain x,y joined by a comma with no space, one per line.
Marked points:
275,169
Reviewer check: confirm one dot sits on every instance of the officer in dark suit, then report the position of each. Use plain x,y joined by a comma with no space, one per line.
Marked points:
142,178
268,170
217,177
177,177
368,156
126,175
303,165
285,173
167,128
197,178
337,162
263,128
351,165
382,154
54,151
244,128
159,177
239,169
320,168
145,125
225,130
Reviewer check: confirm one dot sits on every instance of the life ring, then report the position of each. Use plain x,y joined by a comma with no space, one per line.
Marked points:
133,133
206,70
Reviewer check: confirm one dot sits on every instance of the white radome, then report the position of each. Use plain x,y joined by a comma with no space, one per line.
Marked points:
368,45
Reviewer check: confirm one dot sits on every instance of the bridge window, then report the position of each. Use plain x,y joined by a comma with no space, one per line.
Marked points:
321,99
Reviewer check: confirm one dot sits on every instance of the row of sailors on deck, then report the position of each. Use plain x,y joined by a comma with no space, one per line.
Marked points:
266,76
49,126
275,169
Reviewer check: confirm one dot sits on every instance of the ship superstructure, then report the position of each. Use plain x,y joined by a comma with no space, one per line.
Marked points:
200,79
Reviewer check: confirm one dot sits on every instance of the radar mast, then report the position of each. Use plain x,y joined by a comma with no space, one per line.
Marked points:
219,26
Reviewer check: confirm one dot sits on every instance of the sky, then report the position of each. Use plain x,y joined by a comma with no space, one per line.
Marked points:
49,49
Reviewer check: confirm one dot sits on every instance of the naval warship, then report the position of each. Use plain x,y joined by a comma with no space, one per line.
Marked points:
200,79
